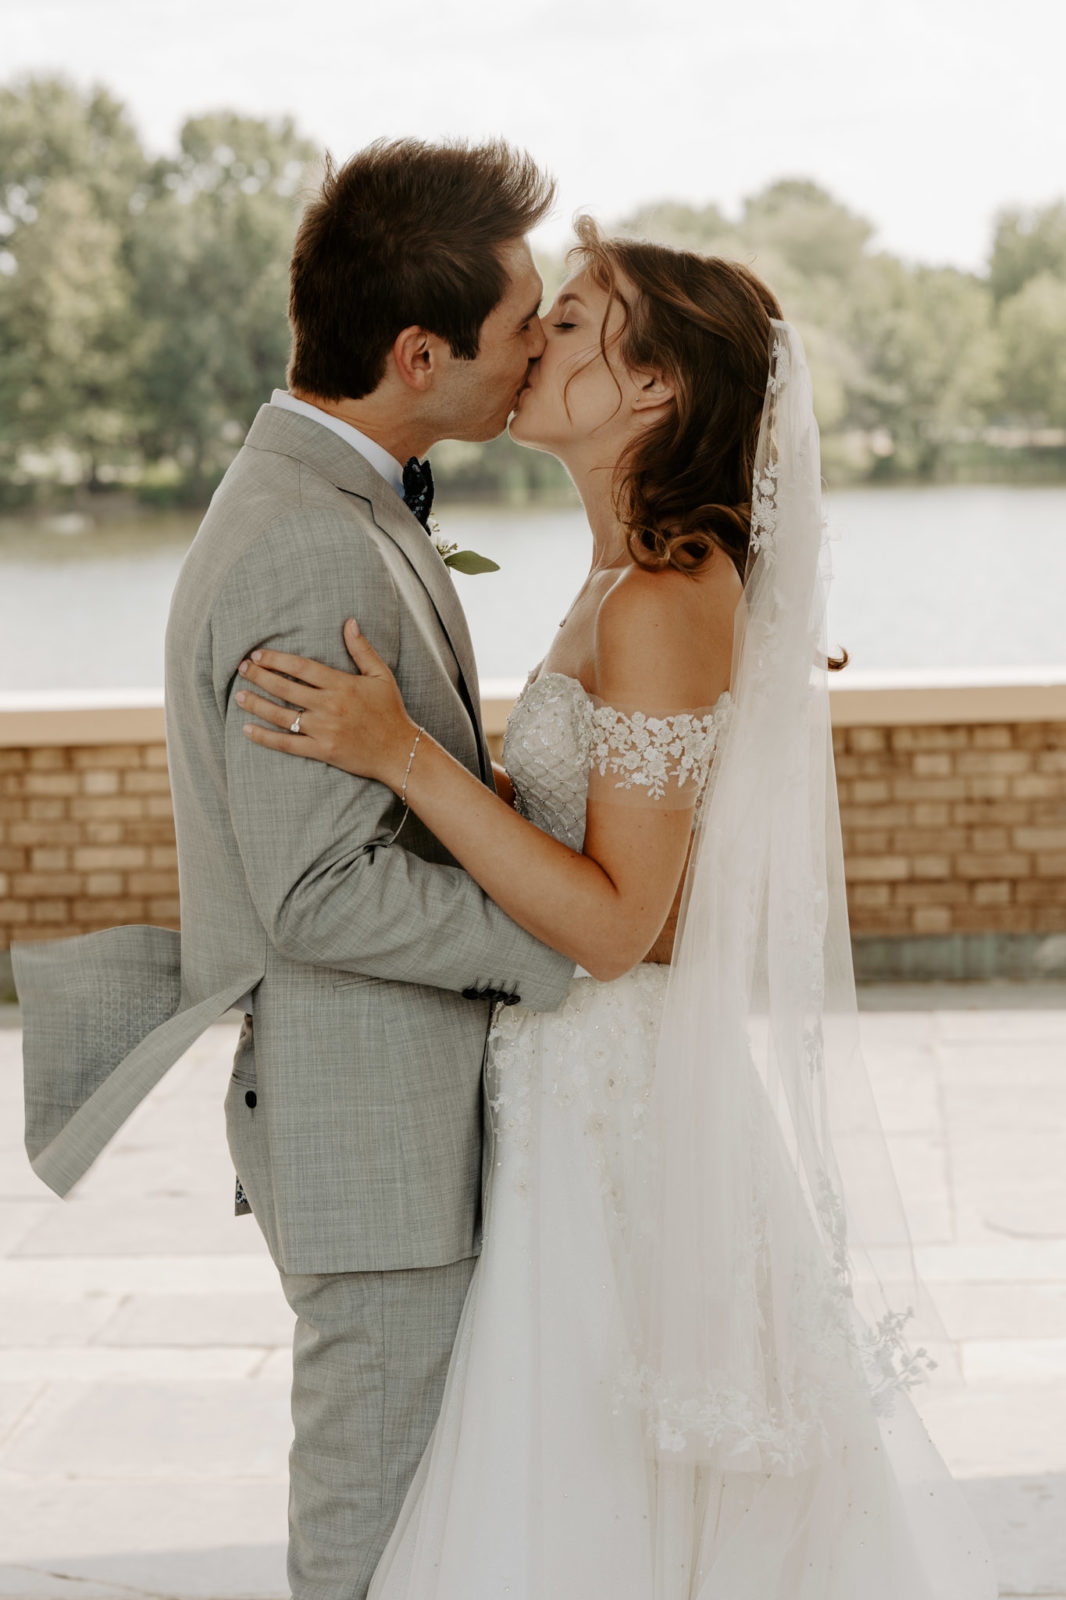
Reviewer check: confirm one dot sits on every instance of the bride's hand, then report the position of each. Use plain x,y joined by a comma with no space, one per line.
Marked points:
357,722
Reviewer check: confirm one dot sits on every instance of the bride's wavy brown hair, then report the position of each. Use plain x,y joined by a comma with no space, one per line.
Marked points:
684,486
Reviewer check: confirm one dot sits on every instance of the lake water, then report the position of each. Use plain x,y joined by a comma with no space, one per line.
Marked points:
970,577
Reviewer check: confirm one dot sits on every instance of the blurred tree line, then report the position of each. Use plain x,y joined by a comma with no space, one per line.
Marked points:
142,313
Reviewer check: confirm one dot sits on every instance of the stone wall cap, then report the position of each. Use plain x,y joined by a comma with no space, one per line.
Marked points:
859,698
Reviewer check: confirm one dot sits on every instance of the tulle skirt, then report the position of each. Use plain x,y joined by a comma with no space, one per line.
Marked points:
539,1482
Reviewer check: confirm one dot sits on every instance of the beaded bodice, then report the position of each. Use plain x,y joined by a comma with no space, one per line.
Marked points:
557,734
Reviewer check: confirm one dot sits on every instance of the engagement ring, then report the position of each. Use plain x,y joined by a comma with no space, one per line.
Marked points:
294,725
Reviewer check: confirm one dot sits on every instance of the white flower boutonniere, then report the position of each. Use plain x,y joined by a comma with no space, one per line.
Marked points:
467,561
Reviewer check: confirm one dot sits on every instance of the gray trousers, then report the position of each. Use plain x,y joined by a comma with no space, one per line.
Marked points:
370,1355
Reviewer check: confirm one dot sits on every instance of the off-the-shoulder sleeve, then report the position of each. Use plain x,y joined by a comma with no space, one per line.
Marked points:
640,758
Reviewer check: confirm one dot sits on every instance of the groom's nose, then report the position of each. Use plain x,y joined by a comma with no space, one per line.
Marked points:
536,339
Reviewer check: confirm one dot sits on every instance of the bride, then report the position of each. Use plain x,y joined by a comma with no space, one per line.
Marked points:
682,1368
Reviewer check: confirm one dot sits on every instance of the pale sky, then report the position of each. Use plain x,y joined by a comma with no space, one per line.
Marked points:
924,115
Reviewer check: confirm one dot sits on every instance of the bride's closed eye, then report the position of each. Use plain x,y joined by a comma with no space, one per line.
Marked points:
564,324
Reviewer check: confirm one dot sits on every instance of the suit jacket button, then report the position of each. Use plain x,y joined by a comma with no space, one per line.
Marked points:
250,1099
512,999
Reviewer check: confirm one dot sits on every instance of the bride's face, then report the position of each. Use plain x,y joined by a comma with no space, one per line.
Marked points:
576,399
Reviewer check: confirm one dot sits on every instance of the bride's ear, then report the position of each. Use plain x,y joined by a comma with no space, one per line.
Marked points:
652,389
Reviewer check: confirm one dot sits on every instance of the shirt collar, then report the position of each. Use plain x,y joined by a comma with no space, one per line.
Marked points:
383,464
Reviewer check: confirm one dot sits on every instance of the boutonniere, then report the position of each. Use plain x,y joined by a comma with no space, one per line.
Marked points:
467,561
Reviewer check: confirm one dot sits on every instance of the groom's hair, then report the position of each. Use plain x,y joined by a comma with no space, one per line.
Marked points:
405,234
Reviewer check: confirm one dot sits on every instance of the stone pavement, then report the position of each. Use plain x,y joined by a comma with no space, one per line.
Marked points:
143,1338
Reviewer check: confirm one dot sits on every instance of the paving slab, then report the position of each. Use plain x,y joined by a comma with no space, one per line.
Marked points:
146,1227
920,1161
202,1541
987,1361
16,1399
199,1319
73,1276
906,1085
997,1310
38,1322
1025,1522
103,1364
187,1432
999,1260
18,1218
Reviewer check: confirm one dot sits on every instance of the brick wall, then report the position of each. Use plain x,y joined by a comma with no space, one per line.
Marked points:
953,828
86,840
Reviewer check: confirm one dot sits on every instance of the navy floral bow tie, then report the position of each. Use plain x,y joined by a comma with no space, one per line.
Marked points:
418,489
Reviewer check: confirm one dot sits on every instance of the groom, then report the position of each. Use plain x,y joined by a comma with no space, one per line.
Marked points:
366,960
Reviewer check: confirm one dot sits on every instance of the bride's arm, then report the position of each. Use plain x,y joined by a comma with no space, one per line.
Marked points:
602,908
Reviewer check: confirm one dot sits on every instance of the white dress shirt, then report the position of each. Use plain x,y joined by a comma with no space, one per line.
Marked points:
385,465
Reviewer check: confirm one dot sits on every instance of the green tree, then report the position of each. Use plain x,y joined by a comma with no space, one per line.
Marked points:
51,131
69,334
210,257
686,227
817,236
71,167
1026,245
926,359
1033,329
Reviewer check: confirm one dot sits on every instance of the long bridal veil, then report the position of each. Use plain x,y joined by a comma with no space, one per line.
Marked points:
776,1321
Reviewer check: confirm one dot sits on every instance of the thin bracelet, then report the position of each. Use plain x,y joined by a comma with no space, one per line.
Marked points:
407,774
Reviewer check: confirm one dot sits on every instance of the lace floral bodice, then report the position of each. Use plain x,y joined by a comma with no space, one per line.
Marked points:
558,735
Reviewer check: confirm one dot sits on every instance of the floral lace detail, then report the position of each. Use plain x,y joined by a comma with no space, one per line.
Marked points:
889,1363
764,510
601,1041
741,1423
656,753
557,734
764,487
780,367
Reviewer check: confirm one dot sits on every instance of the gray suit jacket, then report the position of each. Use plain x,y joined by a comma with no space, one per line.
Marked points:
356,1120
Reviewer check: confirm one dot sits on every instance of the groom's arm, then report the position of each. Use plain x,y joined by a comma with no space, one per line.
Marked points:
329,887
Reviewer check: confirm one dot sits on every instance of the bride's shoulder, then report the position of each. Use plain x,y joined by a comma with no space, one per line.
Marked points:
667,634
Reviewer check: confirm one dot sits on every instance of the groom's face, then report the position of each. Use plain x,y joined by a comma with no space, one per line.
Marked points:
475,398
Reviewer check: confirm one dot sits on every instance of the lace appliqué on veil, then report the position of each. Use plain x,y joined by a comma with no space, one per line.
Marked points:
764,510
737,1420
764,486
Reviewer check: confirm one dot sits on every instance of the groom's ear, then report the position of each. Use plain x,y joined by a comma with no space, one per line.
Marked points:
416,354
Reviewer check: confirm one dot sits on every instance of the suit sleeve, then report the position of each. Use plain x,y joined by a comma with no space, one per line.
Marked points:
329,887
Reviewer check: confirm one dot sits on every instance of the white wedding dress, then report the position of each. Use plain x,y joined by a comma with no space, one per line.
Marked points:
538,1482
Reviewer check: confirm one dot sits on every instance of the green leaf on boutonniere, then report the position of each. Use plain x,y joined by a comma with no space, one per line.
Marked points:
464,560
469,561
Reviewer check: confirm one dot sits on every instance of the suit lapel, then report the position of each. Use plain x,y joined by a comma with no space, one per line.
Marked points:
393,518
288,433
